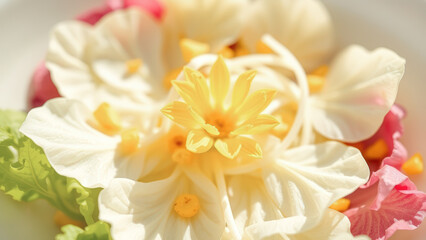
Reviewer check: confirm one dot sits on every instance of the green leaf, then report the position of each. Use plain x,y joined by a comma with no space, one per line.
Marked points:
26,174
10,121
96,231
70,232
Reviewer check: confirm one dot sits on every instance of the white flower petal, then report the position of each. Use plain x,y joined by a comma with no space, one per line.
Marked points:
306,180
359,90
303,26
89,62
215,22
145,210
333,226
250,201
73,147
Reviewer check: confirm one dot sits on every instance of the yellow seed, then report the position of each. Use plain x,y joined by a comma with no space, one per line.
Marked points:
341,205
261,47
315,82
414,165
129,141
170,76
182,156
227,52
61,220
107,118
187,205
376,151
191,48
133,65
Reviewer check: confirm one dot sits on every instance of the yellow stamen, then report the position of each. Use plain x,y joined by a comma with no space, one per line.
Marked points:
317,78
376,151
286,115
261,47
170,76
191,48
414,165
129,141
133,65
176,142
107,118
226,52
187,205
61,220
315,82
321,71
182,156
341,205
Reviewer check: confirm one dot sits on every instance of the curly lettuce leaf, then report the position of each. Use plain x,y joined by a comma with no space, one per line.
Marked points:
96,231
26,175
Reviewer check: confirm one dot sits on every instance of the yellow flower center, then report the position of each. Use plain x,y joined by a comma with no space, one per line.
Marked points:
134,65
129,141
414,165
108,118
224,123
187,205
177,141
341,205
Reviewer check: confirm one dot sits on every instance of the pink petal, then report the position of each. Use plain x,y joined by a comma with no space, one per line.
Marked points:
390,131
388,202
42,87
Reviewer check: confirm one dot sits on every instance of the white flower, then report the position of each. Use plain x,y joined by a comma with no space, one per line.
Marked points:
117,61
93,146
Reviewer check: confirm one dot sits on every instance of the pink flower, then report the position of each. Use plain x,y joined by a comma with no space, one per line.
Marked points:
42,87
388,202
391,130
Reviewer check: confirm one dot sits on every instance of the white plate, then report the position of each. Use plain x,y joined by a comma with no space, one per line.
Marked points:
396,24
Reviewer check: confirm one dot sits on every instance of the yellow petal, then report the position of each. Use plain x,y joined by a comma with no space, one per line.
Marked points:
250,147
414,165
228,147
183,115
261,124
242,87
219,81
255,104
200,85
187,91
198,141
191,48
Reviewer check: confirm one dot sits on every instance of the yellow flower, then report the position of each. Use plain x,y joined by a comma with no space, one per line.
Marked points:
214,121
